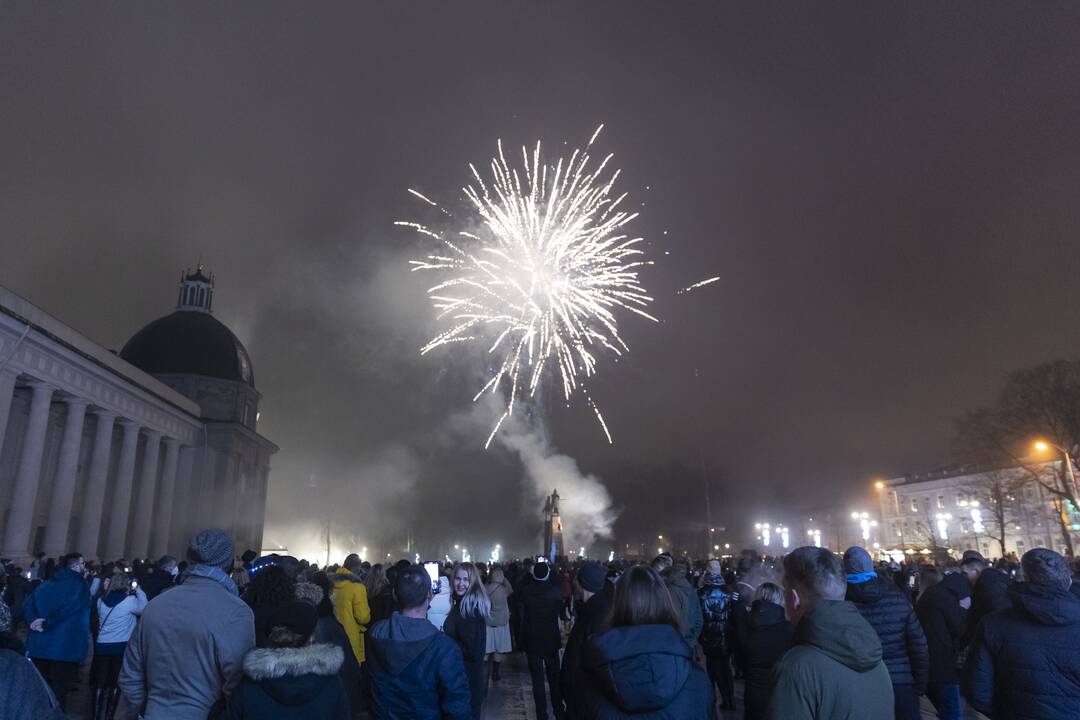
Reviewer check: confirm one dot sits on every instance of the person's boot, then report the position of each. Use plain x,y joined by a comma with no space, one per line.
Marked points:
114,701
495,672
97,707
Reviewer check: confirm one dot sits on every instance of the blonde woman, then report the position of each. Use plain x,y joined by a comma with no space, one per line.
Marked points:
498,623
467,625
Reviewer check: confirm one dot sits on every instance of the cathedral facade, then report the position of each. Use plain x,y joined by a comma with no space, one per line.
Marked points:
127,455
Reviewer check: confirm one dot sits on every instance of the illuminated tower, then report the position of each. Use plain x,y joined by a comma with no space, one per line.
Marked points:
553,540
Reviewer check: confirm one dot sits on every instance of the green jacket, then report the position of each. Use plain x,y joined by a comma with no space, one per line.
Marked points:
834,671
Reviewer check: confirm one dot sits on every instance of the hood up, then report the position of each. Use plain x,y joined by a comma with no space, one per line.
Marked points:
866,593
400,640
1045,605
836,628
293,676
641,668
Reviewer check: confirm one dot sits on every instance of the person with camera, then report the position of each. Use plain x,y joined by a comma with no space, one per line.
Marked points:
117,612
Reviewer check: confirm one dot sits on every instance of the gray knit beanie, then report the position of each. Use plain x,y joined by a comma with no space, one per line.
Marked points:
5,617
213,547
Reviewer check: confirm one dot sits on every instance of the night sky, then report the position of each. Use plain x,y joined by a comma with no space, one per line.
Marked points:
890,194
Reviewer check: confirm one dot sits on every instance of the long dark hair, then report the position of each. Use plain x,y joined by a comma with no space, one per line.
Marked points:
270,586
642,598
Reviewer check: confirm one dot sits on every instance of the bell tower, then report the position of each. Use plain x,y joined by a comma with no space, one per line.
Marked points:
196,291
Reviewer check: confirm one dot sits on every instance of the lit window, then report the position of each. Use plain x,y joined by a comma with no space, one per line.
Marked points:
941,502
914,504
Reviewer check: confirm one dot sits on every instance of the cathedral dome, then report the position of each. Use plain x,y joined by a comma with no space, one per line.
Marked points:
190,341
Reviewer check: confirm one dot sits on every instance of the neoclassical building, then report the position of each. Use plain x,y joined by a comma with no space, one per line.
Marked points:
129,455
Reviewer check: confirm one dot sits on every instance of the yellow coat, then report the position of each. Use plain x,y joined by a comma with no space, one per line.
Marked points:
351,608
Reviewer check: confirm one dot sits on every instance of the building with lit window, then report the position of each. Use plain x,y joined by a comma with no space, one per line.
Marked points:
956,510
127,455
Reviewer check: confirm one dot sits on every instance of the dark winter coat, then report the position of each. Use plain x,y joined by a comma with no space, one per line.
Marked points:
64,603
470,633
155,582
643,671
769,636
291,684
329,631
893,619
1024,663
715,609
541,606
742,600
23,693
591,619
686,604
415,672
944,623
834,672
990,594
382,605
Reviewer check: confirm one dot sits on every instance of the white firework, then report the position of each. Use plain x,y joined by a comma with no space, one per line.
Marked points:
543,280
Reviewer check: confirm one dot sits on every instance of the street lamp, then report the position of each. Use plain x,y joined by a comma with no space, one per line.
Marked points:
1043,446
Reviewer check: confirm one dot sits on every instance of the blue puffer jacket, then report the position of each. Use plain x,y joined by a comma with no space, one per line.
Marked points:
643,671
415,671
1025,661
64,603
902,640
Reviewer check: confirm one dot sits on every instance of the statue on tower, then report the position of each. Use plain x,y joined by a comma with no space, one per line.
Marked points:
553,539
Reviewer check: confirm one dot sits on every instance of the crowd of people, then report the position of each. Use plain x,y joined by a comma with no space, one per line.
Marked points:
811,635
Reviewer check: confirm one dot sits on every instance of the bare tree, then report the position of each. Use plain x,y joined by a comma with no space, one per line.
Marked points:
1042,402
996,492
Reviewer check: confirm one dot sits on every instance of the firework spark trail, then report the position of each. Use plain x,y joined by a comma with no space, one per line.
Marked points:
697,285
547,277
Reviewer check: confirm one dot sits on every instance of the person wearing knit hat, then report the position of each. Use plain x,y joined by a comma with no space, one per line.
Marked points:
187,651
213,547
903,642
292,677
590,619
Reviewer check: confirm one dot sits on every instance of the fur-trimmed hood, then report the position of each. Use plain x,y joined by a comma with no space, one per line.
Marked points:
343,575
274,663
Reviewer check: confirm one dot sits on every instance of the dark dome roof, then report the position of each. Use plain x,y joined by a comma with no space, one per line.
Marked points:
189,342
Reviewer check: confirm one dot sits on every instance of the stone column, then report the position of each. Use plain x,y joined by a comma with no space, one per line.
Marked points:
163,509
144,499
7,391
63,494
17,534
121,500
94,505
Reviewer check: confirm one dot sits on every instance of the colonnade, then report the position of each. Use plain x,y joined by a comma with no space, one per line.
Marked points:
118,517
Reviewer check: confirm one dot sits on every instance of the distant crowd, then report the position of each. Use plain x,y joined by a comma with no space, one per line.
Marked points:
811,635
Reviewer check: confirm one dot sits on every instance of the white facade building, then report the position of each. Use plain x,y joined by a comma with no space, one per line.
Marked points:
951,509
129,455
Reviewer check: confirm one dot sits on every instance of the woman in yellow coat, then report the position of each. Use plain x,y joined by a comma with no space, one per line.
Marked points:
351,603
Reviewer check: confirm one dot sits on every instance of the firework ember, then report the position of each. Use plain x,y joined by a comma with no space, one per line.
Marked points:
542,281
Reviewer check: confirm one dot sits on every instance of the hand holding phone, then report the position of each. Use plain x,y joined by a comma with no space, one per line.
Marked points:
433,573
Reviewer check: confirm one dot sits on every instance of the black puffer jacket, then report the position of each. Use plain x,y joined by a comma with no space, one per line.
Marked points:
643,671
902,640
990,594
1025,661
944,622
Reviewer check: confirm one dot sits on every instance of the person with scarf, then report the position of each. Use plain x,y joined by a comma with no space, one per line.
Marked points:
187,653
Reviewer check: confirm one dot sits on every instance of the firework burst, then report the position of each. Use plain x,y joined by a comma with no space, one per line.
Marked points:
542,280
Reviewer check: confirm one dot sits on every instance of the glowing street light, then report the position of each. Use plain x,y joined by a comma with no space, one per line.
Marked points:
880,485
